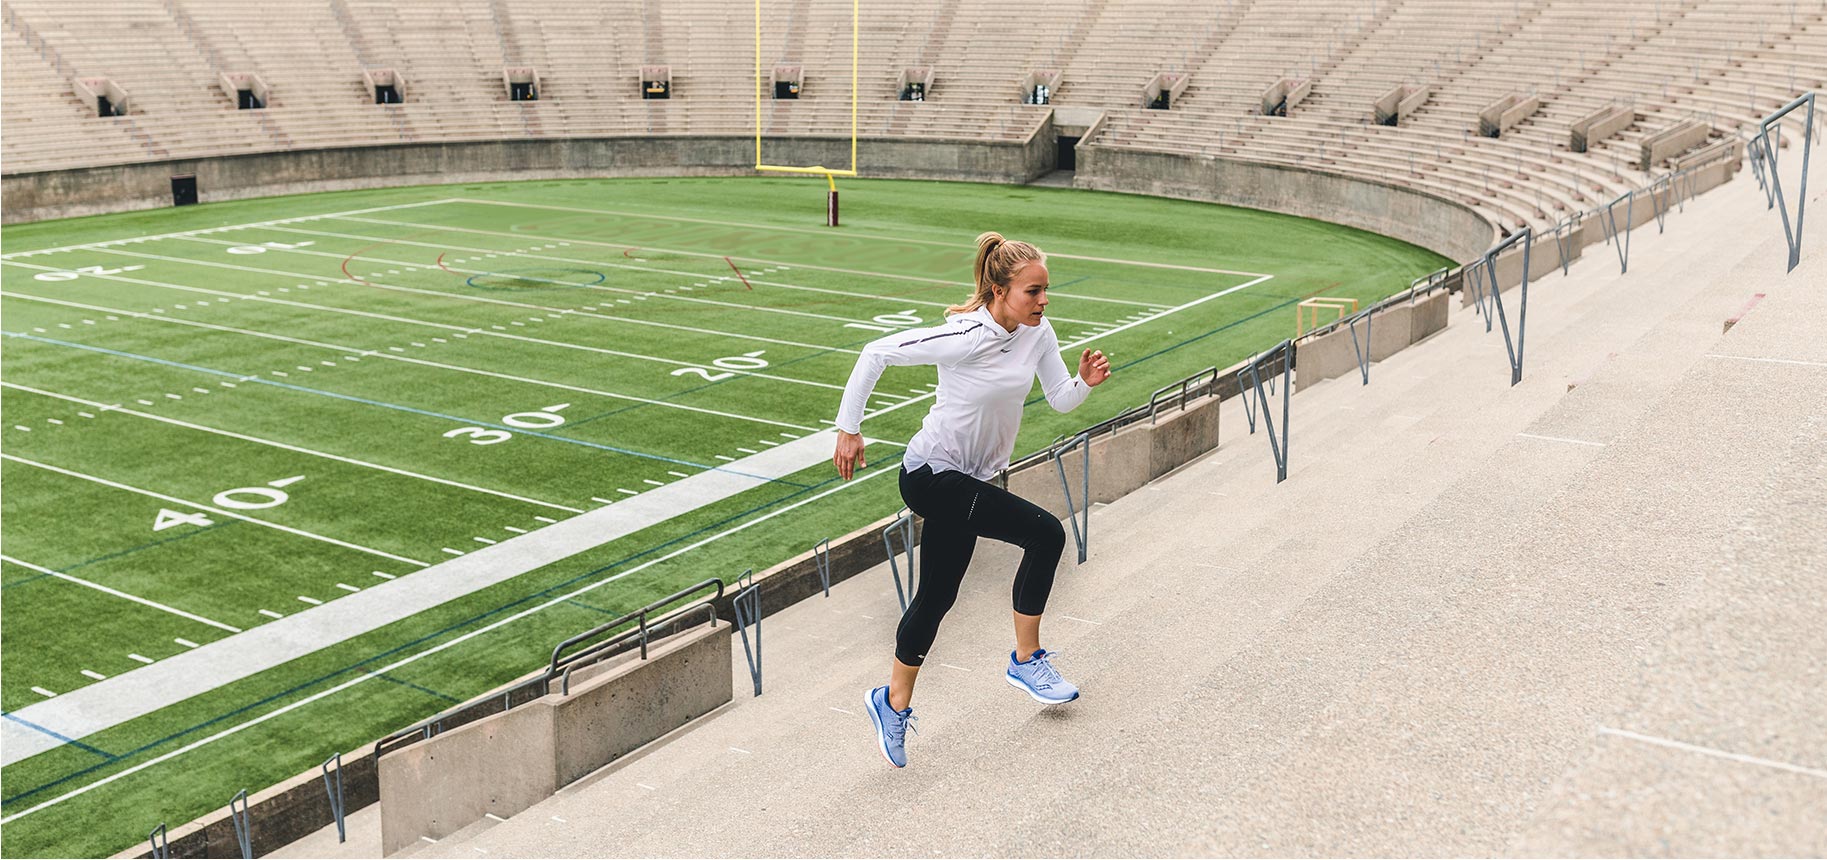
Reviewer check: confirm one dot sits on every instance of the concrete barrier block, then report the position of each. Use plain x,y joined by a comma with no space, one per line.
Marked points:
1177,437
685,677
1427,316
499,765
1325,357
1390,331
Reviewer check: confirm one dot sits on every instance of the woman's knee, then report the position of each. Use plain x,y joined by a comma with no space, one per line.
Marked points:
1048,534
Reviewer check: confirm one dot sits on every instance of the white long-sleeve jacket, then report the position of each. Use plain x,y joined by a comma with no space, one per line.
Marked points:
985,373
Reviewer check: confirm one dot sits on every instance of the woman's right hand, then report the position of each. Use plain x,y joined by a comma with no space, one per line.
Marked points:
849,456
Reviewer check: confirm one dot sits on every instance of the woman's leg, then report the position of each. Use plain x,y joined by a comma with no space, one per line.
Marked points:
945,553
1001,515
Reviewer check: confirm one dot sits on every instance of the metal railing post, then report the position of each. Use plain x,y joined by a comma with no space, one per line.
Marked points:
1609,220
1515,349
905,526
244,834
161,846
1278,448
747,606
1791,234
1363,354
821,555
1081,534
335,790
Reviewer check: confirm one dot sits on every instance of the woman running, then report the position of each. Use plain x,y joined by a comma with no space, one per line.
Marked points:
988,352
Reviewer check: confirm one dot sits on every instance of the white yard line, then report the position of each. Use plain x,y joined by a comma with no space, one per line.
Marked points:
344,349
522,305
611,264
182,234
295,448
625,291
959,246
214,510
120,594
252,297
347,617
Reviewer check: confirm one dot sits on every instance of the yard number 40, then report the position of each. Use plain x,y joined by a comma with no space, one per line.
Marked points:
237,499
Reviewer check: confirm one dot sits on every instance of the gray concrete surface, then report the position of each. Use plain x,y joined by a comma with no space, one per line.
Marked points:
1576,616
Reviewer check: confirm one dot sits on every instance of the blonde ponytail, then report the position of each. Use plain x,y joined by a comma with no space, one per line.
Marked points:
998,260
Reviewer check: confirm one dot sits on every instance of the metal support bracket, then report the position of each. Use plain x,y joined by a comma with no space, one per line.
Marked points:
1514,348
1757,170
161,846
905,526
1609,219
335,790
747,605
244,834
1081,533
1277,448
1791,234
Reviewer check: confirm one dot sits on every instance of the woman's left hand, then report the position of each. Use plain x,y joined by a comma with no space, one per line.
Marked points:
1093,367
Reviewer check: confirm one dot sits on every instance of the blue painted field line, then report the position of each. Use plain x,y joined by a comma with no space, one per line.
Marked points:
244,377
355,667
426,690
111,758
129,551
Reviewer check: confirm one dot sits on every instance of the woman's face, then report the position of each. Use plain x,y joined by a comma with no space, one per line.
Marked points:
1025,298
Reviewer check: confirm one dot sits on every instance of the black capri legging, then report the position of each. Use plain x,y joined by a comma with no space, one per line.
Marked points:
958,508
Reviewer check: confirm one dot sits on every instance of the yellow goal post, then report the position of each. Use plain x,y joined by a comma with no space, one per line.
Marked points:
830,173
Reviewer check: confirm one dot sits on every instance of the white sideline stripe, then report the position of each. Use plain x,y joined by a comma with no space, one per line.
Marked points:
283,446
754,277
229,228
214,510
847,235
1561,439
79,714
1068,347
409,359
120,594
1729,756
411,321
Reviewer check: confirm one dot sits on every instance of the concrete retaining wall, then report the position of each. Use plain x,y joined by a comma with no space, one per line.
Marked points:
90,191
1391,330
505,763
1439,225
1125,460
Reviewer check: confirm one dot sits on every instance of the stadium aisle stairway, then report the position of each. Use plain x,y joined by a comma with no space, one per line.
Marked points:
1409,647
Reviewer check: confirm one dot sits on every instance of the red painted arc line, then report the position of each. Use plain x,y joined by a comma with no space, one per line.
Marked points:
745,280
444,267
629,253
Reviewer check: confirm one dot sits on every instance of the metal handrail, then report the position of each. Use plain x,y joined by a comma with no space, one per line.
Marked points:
562,665
1184,386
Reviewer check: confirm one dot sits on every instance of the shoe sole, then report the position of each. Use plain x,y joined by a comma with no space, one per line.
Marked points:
881,737
1017,684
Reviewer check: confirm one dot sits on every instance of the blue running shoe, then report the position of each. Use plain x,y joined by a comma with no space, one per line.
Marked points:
1039,679
890,725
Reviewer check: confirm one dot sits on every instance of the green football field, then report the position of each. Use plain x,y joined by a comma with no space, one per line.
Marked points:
241,414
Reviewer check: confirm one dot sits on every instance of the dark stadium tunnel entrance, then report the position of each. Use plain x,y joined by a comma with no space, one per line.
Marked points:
535,278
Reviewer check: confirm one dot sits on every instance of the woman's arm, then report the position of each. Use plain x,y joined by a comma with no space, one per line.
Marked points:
1064,393
942,345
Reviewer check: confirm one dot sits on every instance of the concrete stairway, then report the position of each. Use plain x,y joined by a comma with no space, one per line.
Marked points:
1464,625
